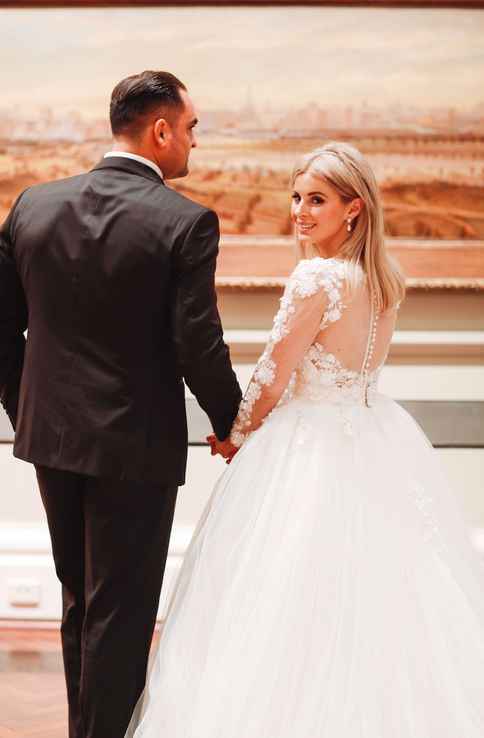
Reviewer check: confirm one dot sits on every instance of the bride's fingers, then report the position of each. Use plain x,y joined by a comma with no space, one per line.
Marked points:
212,443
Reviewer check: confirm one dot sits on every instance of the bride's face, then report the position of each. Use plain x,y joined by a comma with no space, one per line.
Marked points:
319,213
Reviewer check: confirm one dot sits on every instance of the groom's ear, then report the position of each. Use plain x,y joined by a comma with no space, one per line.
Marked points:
160,130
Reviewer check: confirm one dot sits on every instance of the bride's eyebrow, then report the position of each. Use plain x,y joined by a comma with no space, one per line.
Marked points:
316,193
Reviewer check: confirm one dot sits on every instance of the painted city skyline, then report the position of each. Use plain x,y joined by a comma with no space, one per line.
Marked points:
269,83
287,57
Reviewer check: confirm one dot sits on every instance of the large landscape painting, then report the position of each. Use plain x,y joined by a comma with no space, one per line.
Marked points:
404,85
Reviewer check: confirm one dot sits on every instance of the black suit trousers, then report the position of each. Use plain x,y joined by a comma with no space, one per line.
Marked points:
110,544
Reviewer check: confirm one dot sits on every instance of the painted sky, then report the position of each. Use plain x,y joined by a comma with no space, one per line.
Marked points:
71,59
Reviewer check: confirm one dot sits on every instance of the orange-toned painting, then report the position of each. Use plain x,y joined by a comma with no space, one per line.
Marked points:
403,84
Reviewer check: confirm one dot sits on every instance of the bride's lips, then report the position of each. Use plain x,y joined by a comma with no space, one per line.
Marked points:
305,227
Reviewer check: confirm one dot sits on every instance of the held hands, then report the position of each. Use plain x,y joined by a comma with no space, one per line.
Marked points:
224,448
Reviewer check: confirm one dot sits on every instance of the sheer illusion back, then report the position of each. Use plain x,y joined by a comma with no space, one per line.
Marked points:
328,342
347,337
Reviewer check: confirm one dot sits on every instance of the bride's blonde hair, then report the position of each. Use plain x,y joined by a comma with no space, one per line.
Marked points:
346,169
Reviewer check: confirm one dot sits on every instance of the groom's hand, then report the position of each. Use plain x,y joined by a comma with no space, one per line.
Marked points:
224,448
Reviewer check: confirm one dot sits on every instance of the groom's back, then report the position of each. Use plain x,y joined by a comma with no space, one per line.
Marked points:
101,386
94,253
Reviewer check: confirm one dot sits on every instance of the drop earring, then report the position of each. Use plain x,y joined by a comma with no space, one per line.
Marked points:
348,226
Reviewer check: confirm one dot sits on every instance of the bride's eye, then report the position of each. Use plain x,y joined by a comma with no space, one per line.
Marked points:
295,196
317,200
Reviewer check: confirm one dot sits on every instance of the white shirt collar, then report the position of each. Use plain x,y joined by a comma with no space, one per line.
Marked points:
136,157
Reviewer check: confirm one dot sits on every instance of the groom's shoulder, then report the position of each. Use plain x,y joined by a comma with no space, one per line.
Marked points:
43,190
46,197
181,205
162,201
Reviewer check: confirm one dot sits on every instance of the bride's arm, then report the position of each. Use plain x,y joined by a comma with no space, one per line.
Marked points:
298,321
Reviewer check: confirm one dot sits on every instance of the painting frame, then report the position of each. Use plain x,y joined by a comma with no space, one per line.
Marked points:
463,4
272,282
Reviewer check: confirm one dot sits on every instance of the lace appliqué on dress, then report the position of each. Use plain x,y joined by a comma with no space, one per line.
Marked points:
424,503
307,279
321,376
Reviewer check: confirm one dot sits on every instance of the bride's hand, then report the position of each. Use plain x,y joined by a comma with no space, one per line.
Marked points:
224,448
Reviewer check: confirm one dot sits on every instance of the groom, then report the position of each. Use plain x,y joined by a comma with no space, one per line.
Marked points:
112,272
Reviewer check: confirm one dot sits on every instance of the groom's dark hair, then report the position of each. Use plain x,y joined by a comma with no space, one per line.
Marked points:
141,95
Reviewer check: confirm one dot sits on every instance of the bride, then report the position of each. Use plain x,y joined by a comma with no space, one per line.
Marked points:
330,589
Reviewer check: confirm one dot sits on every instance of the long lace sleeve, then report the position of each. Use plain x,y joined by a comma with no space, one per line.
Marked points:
311,300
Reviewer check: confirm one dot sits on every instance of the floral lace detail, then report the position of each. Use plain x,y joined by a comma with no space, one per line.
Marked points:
309,276
320,375
264,375
307,279
425,504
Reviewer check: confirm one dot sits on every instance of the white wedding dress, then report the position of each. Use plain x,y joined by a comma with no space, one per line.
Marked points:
330,589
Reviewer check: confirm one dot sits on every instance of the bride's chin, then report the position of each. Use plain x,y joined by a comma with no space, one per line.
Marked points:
306,237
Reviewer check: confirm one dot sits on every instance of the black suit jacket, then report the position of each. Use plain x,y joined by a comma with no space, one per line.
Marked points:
112,272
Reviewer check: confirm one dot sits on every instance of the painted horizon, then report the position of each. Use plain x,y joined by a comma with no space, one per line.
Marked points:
269,84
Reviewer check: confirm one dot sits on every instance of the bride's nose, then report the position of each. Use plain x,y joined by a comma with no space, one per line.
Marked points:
299,207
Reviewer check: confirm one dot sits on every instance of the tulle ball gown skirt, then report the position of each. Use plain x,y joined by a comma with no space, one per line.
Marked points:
330,591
